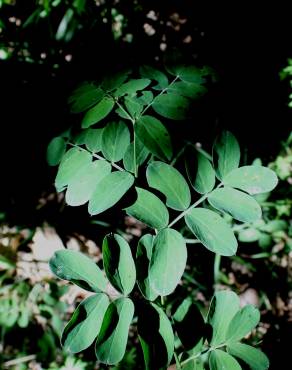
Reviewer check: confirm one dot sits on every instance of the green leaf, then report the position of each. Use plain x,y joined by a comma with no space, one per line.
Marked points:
145,98
111,343
56,150
84,97
220,360
149,209
156,337
242,323
132,86
85,323
98,112
226,154
200,173
252,179
134,107
171,183
274,226
189,324
195,364
168,261
212,231
79,269
154,74
239,205
113,81
93,139
155,137
253,357
115,139
109,191
143,257
248,235
187,89
223,307
118,263
171,106
190,74
72,162
81,188
141,155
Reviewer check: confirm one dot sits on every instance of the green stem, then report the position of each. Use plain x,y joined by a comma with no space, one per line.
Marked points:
217,262
97,156
199,201
178,155
134,152
203,352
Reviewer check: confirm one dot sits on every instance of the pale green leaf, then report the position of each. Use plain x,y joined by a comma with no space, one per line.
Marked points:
220,360
143,257
93,139
149,209
249,235
72,162
226,154
171,106
118,263
98,112
56,150
115,140
252,179
168,261
85,323
134,107
171,183
141,155
223,307
109,191
239,205
242,323
111,344
79,269
81,188
200,173
253,357
156,337
212,231
154,136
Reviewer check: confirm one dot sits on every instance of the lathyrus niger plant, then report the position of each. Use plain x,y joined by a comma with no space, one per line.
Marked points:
123,136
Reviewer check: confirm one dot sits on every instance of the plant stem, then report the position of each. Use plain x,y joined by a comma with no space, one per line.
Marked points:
134,152
178,155
204,351
97,156
188,210
217,262
161,92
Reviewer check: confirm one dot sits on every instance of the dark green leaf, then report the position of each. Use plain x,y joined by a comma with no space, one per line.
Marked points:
56,150
200,173
93,139
98,112
115,140
143,257
220,360
111,344
85,323
226,154
156,337
84,97
113,81
76,267
187,89
223,307
154,136
171,183
212,231
134,107
82,186
132,86
168,261
171,106
239,205
242,323
109,191
154,74
73,161
118,263
146,98
149,209
190,74
141,155
253,357
252,179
